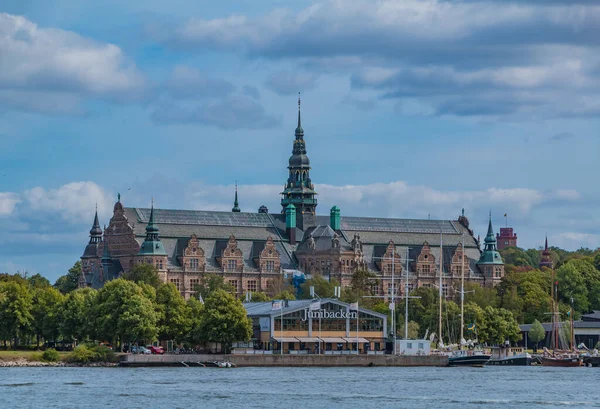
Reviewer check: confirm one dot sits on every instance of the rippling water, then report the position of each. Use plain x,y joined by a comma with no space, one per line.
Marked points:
496,387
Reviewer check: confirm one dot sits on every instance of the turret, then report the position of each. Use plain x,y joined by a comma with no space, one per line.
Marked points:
490,262
299,189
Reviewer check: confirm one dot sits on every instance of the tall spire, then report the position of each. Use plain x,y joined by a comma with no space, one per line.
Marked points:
95,231
299,131
152,243
299,189
236,207
490,232
546,245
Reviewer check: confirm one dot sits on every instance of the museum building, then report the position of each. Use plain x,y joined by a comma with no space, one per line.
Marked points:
251,250
327,326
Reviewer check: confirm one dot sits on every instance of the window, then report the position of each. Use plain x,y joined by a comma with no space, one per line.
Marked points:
270,265
159,264
498,272
194,263
426,268
409,345
194,282
176,282
234,284
445,289
411,288
421,345
231,265
252,287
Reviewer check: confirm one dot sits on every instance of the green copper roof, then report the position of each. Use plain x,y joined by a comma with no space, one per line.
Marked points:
490,255
152,245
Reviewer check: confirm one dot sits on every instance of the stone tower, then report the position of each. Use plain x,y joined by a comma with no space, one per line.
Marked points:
299,189
546,260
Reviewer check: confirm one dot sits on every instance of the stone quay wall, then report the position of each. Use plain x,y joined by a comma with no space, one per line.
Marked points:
286,360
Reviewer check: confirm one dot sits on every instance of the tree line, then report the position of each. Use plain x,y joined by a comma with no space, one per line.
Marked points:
135,308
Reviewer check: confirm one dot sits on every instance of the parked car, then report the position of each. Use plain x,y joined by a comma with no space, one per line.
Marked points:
140,350
156,350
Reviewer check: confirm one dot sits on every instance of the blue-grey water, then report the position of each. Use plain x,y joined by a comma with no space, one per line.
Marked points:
496,387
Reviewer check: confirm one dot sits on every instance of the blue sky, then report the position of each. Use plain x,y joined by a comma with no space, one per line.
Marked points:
410,109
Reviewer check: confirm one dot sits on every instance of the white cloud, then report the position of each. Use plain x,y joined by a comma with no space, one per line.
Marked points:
56,65
8,202
74,202
462,58
288,82
574,240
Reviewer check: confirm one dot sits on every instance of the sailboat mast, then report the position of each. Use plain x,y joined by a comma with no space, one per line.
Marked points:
462,292
441,273
572,329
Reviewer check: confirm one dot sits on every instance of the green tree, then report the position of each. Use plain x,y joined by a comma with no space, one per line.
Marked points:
143,273
482,296
196,310
16,303
360,289
572,283
413,330
285,295
323,287
537,332
210,283
46,310
259,297
70,281
498,325
174,316
224,320
38,281
76,318
123,312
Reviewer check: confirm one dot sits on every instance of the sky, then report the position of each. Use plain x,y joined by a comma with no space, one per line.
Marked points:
411,109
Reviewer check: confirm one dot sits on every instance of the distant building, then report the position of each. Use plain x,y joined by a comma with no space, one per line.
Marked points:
506,238
546,260
250,250
586,330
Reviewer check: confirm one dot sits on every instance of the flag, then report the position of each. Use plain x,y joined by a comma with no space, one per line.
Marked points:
200,299
315,306
471,327
354,306
505,214
276,305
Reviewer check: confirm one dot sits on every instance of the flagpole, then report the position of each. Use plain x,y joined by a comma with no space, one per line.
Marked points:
281,342
440,292
357,313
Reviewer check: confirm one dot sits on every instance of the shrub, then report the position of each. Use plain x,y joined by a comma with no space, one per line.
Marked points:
81,355
84,354
50,355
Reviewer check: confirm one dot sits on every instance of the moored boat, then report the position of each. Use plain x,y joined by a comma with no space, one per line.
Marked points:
591,360
569,360
468,358
510,356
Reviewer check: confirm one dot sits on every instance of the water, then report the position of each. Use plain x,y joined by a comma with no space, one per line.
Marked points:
357,388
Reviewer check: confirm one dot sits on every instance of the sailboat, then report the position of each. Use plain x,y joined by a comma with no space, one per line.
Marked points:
461,357
560,358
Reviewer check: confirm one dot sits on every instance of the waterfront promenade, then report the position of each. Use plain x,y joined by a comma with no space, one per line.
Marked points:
285,360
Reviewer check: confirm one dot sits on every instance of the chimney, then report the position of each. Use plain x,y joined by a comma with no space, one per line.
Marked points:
335,219
290,223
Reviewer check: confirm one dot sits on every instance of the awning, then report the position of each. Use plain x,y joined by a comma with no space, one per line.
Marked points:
360,340
284,339
312,339
334,340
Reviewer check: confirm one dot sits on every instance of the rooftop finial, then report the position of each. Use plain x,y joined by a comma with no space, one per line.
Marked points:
118,197
299,130
236,207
